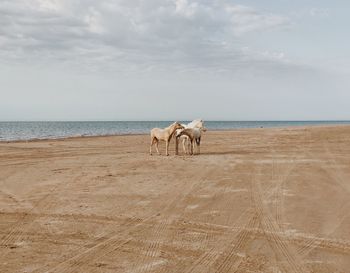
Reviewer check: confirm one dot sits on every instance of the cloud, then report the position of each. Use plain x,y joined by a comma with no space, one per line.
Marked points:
131,34
246,19
319,12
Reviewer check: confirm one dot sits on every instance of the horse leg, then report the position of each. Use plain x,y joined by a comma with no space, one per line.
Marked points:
176,145
157,141
191,147
198,141
166,147
189,144
150,147
184,145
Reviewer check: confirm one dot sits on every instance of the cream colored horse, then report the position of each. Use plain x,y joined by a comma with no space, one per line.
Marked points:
165,134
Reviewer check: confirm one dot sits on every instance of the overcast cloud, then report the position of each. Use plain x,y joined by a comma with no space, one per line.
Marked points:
153,33
125,57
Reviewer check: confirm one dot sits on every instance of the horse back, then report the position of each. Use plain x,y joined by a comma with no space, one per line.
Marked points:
157,132
188,133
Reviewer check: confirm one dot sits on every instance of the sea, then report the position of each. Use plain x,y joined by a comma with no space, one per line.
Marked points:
20,130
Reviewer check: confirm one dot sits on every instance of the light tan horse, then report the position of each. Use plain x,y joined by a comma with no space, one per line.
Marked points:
165,134
194,136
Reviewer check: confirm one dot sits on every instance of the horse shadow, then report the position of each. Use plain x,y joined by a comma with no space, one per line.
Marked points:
231,152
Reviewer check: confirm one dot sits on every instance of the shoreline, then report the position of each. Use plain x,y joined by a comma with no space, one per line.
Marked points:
302,127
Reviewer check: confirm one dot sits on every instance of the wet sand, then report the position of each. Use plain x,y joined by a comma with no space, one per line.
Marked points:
257,200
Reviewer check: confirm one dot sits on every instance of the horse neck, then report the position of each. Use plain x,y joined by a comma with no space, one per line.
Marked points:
188,133
193,126
171,128
194,123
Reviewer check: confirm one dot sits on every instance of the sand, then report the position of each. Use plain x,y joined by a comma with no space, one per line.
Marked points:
257,200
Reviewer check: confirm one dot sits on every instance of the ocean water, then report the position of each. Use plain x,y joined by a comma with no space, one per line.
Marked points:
10,131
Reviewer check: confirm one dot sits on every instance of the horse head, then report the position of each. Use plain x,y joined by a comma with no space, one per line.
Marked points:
197,123
177,126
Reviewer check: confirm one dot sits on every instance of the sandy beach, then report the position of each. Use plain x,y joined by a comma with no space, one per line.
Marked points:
255,200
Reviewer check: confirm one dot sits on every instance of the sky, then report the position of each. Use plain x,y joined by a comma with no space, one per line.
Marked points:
174,60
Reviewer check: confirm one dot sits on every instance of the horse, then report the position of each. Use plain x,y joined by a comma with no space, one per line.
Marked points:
194,137
197,123
165,134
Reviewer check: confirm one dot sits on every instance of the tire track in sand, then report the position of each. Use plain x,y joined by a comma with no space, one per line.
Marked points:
15,233
78,261
101,249
222,260
332,169
278,191
233,259
231,242
233,262
175,211
271,228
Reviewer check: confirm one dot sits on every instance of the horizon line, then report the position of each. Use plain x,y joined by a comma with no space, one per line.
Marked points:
170,120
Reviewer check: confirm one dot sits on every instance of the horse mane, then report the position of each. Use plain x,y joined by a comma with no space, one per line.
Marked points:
194,123
172,125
